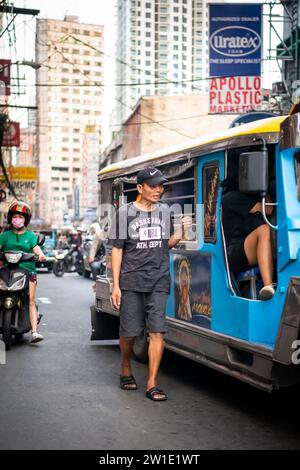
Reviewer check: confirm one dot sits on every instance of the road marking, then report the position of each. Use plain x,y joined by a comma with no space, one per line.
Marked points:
44,300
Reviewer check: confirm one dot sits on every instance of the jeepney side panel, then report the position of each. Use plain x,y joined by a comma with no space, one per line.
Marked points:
212,304
238,317
248,319
229,314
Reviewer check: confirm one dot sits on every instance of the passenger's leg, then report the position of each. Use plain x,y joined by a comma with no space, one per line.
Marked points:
258,249
95,267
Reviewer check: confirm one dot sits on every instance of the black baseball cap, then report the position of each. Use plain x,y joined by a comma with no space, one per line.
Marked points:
151,176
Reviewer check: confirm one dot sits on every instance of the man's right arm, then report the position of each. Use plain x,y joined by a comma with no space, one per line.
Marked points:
116,261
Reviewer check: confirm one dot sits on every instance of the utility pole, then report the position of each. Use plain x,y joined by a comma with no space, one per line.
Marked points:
11,12
14,11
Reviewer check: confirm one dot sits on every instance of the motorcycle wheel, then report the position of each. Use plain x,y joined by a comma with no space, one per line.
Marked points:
19,337
58,269
6,333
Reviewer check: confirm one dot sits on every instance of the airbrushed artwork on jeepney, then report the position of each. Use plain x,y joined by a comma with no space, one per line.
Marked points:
211,182
192,277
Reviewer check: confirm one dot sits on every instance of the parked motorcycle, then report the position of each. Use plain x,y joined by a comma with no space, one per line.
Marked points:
64,261
14,297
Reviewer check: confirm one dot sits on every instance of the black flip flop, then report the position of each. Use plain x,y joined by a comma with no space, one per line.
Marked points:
156,391
127,382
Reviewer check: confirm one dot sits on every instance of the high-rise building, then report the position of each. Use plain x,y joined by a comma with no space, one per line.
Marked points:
162,48
69,117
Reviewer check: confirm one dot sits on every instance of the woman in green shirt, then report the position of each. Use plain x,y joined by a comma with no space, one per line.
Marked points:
21,239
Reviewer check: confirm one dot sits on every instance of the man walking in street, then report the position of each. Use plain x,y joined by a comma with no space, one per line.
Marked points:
141,237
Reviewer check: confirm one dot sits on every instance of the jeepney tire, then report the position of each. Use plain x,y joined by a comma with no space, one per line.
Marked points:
140,347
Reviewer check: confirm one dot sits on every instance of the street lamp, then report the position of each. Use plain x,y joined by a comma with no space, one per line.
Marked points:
5,75
29,63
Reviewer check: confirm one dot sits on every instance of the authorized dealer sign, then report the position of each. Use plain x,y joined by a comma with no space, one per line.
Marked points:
235,57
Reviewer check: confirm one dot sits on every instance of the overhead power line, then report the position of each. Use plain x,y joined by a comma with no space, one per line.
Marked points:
75,66
98,84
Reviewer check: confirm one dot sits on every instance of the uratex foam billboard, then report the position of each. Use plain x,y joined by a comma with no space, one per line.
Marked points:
235,58
235,39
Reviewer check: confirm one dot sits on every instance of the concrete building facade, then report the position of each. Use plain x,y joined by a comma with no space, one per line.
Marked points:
162,49
69,117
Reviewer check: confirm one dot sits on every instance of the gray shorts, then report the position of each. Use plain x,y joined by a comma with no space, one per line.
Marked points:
140,310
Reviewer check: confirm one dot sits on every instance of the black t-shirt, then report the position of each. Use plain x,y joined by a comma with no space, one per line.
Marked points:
237,221
143,236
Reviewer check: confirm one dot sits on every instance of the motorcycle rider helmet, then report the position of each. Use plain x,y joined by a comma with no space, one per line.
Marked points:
19,207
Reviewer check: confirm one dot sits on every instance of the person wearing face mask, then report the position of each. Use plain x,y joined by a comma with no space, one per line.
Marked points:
19,238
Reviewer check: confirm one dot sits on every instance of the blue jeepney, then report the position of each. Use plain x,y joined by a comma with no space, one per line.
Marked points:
213,317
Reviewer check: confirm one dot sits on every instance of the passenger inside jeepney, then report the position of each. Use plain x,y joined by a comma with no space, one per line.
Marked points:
247,236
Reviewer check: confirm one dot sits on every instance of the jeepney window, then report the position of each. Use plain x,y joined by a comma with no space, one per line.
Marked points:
180,195
297,170
210,187
130,192
124,191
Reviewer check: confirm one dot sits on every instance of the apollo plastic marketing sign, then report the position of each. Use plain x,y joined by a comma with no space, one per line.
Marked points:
235,39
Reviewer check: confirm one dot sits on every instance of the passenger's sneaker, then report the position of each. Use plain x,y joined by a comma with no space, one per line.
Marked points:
36,337
267,292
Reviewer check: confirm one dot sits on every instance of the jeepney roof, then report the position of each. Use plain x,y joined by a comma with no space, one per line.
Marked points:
228,138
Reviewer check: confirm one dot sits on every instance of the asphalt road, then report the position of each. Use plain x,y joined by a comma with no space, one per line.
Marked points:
63,393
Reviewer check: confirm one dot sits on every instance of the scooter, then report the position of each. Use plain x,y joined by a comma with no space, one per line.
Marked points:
14,297
64,261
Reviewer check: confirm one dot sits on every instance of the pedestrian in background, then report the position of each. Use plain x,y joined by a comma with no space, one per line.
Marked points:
97,249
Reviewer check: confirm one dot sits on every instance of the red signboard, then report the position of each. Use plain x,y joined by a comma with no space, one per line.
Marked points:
234,94
5,77
11,136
